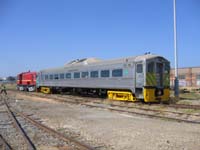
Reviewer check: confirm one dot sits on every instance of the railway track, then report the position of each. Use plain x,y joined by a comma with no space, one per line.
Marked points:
139,109
80,99
153,114
23,123
184,106
17,126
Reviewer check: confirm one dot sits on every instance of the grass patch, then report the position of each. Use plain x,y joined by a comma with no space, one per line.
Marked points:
185,102
61,129
190,96
191,111
185,96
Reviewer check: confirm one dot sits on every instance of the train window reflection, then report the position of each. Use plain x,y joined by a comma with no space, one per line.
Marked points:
76,74
62,76
46,77
105,73
51,76
84,74
68,75
139,68
56,76
117,73
94,74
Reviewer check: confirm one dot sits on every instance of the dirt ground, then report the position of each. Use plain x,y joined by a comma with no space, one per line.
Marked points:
112,130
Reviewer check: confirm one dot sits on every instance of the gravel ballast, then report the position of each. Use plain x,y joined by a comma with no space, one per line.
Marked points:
112,130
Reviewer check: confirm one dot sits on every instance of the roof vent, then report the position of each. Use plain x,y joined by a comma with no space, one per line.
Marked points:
83,61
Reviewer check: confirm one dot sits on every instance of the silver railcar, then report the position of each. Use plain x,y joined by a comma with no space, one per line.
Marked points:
141,77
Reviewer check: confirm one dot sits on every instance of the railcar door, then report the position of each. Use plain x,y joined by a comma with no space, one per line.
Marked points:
139,82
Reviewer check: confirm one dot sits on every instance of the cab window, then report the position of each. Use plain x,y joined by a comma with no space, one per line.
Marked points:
150,67
167,67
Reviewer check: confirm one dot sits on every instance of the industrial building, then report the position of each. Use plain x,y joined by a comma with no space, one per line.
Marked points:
188,77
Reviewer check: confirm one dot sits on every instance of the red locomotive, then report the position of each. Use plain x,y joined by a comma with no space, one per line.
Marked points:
26,81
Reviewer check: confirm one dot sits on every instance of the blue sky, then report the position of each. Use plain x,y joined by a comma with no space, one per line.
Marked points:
39,34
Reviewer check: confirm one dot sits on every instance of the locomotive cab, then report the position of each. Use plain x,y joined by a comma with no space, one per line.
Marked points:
156,85
26,81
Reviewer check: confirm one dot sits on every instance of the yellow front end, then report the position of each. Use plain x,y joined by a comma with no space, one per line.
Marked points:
150,95
121,96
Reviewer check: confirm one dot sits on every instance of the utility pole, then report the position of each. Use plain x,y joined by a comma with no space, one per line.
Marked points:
176,82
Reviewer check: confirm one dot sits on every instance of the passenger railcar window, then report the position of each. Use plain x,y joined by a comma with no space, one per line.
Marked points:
68,75
150,67
51,77
94,74
56,76
105,73
117,73
62,76
76,74
46,77
139,68
42,77
84,75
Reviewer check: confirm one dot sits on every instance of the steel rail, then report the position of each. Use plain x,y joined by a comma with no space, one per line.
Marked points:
78,99
184,106
145,109
18,126
144,114
3,111
155,110
5,145
52,131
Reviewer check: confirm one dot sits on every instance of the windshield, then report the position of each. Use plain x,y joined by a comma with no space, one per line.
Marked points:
167,67
150,67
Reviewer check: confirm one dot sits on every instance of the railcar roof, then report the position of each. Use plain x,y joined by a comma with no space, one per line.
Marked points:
95,61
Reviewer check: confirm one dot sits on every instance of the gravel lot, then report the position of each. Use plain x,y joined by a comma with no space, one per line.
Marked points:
111,130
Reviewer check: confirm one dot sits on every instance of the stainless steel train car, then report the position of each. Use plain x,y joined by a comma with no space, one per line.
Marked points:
144,77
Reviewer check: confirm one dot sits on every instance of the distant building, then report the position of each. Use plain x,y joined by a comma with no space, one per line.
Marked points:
10,79
188,77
